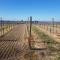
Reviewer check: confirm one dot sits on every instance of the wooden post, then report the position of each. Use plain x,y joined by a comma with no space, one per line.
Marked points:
56,27
30,24
1,26
53,24
30,36
50,29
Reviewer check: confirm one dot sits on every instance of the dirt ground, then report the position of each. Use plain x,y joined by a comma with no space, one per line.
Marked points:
13,42
15,46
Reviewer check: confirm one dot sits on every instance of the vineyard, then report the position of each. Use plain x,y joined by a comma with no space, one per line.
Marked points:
25,41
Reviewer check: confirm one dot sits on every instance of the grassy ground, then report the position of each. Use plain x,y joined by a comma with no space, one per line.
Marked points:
52,45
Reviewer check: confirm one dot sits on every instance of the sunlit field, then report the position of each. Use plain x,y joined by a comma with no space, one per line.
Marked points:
18,42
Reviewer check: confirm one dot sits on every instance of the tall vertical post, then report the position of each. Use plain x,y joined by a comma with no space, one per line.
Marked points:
53,24
30,24
56,27
30,37
7,26
50,28
1,26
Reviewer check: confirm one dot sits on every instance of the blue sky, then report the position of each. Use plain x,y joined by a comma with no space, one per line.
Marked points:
21,9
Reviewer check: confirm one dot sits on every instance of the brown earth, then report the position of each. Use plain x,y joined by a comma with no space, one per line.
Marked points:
15,46
12,44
